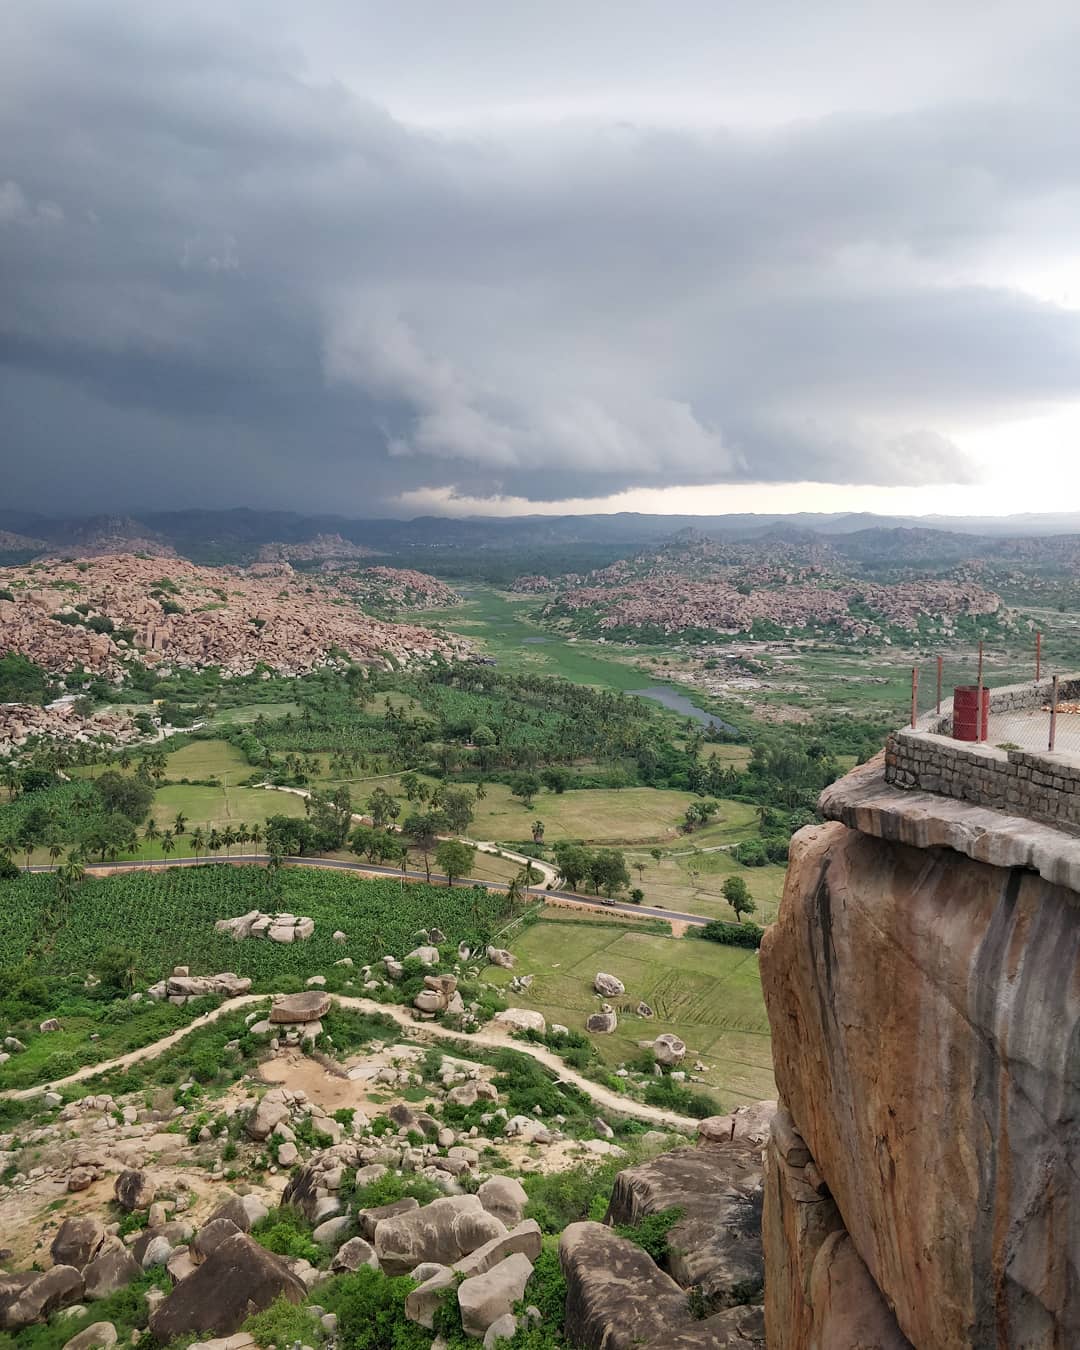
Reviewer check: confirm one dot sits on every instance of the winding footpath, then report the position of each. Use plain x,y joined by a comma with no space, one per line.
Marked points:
600,1095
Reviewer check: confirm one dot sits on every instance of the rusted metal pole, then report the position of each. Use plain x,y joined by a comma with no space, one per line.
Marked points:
940,662
1038,656
1053,711
979,699
914,694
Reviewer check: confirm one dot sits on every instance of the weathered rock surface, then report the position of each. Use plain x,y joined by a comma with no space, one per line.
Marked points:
353,1254
443,1231
499,956
740,1328
485,1298
601,1023
78,1241
669,1049
925,1011
31,1296
608,985
134,1190
96,1335
210,1237
716,1245
521,1019
237,1279
505,1197
617,1298
524,1239
306,1007
112,1270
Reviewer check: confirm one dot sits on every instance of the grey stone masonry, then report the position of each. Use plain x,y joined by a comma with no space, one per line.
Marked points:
1039,785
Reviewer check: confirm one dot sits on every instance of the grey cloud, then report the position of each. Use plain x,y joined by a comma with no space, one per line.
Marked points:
227,271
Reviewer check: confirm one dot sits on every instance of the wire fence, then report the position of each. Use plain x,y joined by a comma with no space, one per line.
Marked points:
999,699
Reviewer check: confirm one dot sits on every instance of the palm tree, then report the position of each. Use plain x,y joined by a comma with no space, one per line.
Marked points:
228,838
180,823
124,759
255,834
168,843
55,850
151,832
240,834
69,877
538,831
481,791
198,839
11,780
214,842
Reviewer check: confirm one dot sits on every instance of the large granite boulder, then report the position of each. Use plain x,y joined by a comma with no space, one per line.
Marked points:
601,1023
521,1019
210,1237
610,986
237,1279
505,1197
112,1269
741,1328
367,1220
32,1296
669,1050
309,1006
486,1297
443,1231
78,1241
134,1190
524,1240
716,1244
97,1336
242,1210
925,1015
617,1297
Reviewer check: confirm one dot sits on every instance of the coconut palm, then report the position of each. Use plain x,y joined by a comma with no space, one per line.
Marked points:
255,834
180,823
198,839
168,843
214,842
151,833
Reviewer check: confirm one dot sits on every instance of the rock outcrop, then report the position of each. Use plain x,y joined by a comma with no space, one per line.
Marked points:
925,1014
237,1279
716,1244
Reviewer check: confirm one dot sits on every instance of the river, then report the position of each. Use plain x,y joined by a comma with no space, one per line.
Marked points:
679,703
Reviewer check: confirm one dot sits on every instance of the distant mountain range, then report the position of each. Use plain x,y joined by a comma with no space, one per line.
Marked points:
521,543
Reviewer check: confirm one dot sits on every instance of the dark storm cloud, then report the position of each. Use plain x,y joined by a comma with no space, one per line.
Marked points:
228,275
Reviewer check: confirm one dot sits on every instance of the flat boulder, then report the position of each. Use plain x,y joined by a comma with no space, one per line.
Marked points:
113,1269
499,956
521,1019
601,1023
32,1296
443,1231
716,1244
617,1297
78,1241
134,1190
306,1007
427,956
237,1279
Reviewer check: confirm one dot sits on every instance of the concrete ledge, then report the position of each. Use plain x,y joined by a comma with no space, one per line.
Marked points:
864,801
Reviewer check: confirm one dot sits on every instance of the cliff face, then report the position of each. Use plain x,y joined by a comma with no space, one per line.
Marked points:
925,1013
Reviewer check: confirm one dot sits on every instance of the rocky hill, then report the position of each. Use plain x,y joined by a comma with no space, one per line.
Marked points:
103,611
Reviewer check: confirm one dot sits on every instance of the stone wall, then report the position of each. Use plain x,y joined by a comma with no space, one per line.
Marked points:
1037,784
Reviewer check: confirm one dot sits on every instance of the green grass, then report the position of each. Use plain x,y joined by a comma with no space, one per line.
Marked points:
710,996
245,713
589,813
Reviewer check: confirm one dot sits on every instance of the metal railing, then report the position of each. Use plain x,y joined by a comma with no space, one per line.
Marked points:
1039,712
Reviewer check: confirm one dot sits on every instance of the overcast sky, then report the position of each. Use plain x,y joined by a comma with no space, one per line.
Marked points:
493,255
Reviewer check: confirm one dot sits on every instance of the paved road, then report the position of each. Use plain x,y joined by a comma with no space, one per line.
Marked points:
372,869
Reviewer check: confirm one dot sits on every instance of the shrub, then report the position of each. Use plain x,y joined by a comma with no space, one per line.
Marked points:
651,1234
370,1311
393,1187
732,934
284,1323
580,1192
285,1233
667,1093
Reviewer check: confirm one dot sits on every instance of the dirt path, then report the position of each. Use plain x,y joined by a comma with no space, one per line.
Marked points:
602,1096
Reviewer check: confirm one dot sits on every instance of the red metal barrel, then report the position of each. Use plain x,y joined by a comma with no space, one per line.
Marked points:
965,714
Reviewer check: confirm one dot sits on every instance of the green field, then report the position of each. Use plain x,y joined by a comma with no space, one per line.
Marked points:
691,883
707,994
244,713
164,918
606,814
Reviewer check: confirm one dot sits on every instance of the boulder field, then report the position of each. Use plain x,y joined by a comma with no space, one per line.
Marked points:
923,1181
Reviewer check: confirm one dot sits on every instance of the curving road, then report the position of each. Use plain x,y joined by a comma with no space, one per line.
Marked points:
373,869
602,1096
